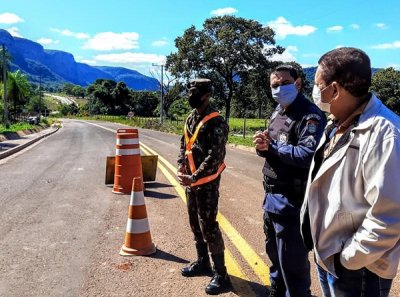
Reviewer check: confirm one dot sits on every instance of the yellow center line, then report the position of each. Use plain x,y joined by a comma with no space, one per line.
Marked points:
256,263
240,281
252,258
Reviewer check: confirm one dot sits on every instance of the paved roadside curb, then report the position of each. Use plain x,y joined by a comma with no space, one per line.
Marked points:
27,143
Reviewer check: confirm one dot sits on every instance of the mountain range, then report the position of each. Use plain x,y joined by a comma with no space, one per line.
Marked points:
53,68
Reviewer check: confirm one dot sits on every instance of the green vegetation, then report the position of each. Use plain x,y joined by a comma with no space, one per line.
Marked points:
16,127
236,125
386,84
229,50
240,140
176,126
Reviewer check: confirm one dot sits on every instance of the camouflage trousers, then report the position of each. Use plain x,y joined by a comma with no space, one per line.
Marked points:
202,204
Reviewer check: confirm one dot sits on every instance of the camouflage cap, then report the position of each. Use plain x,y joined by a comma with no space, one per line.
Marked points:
202,85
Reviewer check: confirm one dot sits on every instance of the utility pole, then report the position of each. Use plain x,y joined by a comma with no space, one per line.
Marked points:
6,124
162,92
90,105
40,94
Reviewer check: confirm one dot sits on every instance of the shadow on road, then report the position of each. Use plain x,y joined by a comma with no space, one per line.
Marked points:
5,146
155,185
158,195
160,254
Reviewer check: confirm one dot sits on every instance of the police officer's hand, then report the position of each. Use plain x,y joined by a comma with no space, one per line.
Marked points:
184,179
261,140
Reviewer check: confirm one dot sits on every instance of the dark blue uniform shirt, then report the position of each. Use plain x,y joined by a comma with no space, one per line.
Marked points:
295,134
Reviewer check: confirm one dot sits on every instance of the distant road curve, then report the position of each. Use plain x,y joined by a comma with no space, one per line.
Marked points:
63,100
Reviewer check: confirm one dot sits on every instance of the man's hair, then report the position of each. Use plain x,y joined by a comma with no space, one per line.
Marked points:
350,67
288,68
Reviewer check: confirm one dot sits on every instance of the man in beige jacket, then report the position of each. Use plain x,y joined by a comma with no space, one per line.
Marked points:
351,211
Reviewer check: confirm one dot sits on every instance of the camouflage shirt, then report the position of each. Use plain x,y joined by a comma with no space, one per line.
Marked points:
209,148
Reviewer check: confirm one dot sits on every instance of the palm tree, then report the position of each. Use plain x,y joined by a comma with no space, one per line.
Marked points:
8,60
18,88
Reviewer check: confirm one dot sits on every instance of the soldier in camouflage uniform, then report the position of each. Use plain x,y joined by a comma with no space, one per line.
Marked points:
200,164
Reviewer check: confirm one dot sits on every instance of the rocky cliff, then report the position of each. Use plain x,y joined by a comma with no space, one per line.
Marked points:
55,68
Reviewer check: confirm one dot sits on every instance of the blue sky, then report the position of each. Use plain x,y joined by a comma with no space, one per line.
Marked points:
135,34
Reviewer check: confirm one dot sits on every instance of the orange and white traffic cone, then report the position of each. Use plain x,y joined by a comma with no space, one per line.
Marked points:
137,237
128,164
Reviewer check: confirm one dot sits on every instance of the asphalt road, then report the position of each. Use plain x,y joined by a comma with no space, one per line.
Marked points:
61,227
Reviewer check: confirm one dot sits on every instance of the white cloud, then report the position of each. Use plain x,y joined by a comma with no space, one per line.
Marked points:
308,65
90,62
129,58
82,35
311,55
283,28
381,25
47,41
392,45
107,41
355,26
339,46
224,11
14,31
159,43
395,66
10,18
334,29
66,32
287,55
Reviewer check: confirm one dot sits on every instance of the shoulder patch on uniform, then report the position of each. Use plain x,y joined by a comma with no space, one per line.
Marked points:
313,116
218,131
312,126
283,137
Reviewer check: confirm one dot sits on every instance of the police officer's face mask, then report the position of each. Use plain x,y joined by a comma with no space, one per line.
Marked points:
195,98
285,94
316,94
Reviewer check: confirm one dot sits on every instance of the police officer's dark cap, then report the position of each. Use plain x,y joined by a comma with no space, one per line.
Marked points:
202,85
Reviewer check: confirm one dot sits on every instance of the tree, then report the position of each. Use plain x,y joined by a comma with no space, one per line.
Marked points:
171,90
386,84
8,60
36,104
18,89
102,90
78,91
144,103
223,50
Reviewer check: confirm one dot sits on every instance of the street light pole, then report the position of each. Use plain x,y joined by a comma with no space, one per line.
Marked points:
40,94
162,92
5,87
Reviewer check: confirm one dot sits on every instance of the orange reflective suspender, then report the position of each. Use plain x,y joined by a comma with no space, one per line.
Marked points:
189,143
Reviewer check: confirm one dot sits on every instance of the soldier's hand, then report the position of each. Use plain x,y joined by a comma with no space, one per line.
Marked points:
181,170
184,179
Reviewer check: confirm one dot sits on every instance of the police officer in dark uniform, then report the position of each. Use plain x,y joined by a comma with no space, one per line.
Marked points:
200,163
288,145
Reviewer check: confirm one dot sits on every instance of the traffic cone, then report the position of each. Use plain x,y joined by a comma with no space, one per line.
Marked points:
128,164
137,237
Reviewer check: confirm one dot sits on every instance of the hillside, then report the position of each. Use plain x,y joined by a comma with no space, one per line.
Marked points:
310,73
55,68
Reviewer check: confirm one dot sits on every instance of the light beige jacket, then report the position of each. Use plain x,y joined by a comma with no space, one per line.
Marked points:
354,199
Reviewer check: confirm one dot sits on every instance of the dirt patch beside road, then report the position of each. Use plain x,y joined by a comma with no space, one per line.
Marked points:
110,274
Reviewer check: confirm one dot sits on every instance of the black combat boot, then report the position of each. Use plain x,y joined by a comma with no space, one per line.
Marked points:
277,290
220,282
201,266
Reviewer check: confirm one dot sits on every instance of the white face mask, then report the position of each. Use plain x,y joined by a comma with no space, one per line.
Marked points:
316,94
284,95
